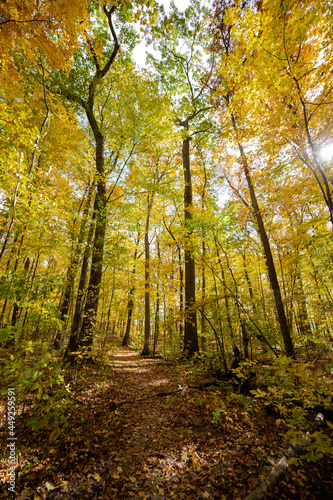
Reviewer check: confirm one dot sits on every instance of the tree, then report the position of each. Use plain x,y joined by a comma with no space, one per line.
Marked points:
181,38
230,96
30,27
294,81
74,262
99,61
40,161
130,303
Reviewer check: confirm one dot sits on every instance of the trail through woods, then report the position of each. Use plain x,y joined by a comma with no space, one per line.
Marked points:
159,447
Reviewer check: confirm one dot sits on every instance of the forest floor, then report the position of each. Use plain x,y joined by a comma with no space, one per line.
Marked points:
170,447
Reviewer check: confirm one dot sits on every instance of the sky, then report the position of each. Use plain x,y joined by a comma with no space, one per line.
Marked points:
139,52
180,4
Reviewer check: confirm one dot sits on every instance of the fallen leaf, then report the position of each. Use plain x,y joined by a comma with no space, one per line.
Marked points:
25,494
50,486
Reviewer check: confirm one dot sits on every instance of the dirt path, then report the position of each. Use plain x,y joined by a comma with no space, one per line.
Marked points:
160,448
156,443
169,448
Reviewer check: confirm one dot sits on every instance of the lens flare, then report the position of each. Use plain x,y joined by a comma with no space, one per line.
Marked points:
326,152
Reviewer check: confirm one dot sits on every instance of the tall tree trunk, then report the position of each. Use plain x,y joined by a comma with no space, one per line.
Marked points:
242,323
130,308
12,218
157,321
191,345
146,345
302,319
181,283
109,322
219,338
203,268
85,339
203,296
157,310
11,255
288,344
33,269
226,294
80,298
181,294
130,303
86,336
17,309
252,299
75,258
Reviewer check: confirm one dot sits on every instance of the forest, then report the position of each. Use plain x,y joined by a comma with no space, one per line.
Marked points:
166,249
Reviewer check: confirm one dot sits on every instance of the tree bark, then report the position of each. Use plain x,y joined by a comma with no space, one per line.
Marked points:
288,344
130,303
80,298
157,310
181,294
226,294
17,310
252,299
69,286
203,296
181,283
302,320
85,339
146,345
191,345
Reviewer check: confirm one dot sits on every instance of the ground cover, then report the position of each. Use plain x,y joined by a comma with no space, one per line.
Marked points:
209,443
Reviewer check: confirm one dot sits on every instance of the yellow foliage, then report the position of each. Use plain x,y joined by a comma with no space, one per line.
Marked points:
52,28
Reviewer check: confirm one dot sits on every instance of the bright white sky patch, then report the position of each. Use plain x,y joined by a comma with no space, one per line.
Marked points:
326,153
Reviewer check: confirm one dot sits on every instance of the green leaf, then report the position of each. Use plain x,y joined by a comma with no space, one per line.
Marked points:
35,386
4,333
54,435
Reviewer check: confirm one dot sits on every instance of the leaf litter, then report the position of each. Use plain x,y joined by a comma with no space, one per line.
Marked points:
193,444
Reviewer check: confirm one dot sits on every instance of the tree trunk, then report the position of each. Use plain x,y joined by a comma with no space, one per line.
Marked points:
219,339
130,306
130,303
242,323
302,319
157,311
181,294
181,284
69,286
146,345
17,309
80,298
111,302
252,299
203,268
85,339
267,252
203,296
227,305
191,345
86,336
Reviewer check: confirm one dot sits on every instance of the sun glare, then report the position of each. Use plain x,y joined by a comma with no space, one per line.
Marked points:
326,153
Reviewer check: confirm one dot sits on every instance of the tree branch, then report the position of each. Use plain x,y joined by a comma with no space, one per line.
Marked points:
108,14
184,123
